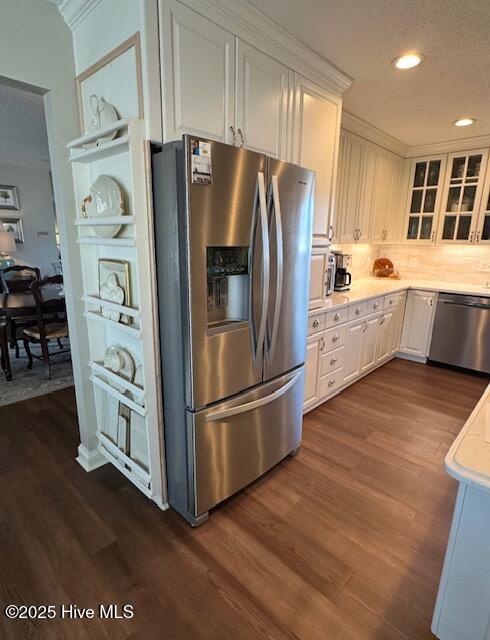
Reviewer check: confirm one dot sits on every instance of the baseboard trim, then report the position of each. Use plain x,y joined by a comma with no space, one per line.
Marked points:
411,357
90,460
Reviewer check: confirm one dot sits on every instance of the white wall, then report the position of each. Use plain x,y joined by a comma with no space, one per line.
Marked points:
37,213
36,49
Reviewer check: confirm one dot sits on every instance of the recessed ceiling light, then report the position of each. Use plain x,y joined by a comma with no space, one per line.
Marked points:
408,61
464,122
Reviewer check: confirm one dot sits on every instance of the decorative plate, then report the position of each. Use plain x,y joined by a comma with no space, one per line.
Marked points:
105,200
120,362
112,292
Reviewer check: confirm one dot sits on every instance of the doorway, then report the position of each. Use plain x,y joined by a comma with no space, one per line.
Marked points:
29,255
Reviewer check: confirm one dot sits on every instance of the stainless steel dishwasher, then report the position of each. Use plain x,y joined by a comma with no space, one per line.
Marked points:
461,334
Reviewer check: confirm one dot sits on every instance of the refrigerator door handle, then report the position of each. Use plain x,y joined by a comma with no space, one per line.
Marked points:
276,207
255,404
264,232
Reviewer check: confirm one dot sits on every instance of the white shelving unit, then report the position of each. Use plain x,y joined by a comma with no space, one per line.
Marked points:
94,222
126,160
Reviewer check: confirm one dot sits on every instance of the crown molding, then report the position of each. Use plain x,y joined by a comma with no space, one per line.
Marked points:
373,134
75,11
254,27
450,146
248,23
369,132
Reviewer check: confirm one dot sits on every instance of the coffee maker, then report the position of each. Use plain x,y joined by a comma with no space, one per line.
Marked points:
343,278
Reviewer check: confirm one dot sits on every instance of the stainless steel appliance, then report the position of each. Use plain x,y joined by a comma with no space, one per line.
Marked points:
343,278
232,239
461,333
330,274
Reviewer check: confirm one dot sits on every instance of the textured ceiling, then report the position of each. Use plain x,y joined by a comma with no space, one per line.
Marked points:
23,137
362,37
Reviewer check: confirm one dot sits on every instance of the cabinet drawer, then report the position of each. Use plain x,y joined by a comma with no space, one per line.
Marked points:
335,338
393,300
330,382
332,361
335,316
357,310
316,323
375,304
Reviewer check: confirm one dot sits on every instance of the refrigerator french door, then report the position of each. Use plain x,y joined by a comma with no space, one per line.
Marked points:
232,239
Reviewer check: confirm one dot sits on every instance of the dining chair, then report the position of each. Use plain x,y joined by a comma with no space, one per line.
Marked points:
50,324
22,278
3,345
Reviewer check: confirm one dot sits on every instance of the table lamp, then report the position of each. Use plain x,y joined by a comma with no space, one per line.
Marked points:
7,246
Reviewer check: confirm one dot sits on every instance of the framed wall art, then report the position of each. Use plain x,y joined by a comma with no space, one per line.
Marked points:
13,226
9,197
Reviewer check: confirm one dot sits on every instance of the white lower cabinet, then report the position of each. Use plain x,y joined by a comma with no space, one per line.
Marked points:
417,325
341,352
311,369
385,337
370,343
352,360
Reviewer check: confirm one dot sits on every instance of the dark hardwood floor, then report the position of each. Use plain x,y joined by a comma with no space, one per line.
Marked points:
344,541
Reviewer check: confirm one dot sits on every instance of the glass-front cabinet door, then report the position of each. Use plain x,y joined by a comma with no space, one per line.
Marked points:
483,225
424,196
462,195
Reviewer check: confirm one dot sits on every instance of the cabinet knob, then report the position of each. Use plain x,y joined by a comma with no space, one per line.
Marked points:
432,236
358,310
335,337
391,301
333,360
477,236
331,233
382,321
472,236
241,137
336,316
316,322
322,343
331,382
375,305
233,134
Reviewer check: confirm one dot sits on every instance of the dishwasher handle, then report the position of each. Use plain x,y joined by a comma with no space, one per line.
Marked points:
474,305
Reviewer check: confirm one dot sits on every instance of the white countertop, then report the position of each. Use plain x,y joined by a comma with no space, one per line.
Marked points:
468,459
372,287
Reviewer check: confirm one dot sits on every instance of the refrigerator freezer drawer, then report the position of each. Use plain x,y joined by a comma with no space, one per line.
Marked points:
239,440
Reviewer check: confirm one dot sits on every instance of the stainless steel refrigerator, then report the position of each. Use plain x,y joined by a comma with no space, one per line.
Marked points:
232,240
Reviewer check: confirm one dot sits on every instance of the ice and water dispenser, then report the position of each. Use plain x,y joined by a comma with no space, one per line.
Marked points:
228,286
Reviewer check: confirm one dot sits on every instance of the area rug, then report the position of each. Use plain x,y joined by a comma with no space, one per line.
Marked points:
31,383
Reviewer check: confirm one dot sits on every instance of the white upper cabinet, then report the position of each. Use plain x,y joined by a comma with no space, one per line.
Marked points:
483,225
388,199
318,277
349,187
262,97
369,187
394,214
424,199
198,75
462,195
366,197
317,116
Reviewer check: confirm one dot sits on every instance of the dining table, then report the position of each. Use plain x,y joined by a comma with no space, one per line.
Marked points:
21,305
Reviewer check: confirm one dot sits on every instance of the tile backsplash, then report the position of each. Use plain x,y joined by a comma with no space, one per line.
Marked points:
466,264
363,256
